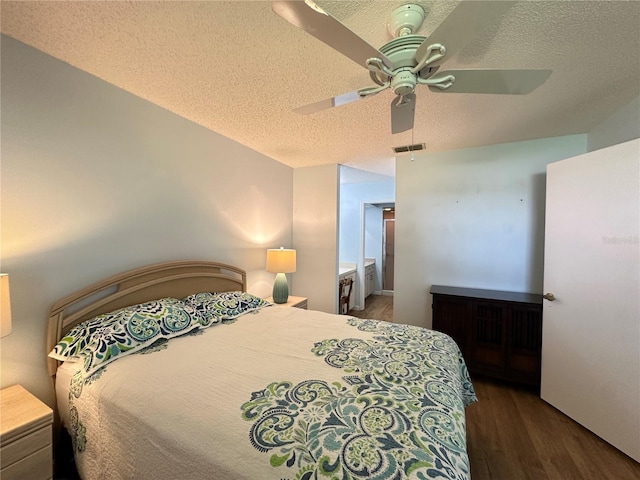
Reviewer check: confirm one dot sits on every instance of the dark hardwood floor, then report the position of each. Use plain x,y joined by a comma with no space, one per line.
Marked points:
512,434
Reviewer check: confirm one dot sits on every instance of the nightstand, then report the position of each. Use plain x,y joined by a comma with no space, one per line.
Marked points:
25,436
298,302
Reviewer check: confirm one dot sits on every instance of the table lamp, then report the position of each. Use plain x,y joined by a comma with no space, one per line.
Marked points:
5,306
280,261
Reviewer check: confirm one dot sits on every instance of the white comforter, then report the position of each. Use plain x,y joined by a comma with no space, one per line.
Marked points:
281,393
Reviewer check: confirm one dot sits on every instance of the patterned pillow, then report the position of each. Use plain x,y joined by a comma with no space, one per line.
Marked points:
215,307
106,337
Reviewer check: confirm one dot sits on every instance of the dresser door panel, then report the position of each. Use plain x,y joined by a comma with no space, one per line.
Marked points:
524,343
451,316
488,329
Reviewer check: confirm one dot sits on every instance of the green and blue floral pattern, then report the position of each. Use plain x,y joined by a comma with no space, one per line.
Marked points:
216,307
398,414
395,409
104,338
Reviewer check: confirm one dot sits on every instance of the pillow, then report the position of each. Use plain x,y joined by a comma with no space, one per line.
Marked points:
106,337
215,307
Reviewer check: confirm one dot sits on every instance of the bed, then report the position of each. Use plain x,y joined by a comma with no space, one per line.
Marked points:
158,378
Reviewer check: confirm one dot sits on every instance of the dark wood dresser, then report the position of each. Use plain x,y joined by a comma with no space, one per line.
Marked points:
499,333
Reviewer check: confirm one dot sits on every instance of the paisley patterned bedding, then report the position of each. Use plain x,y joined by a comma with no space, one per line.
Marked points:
282,393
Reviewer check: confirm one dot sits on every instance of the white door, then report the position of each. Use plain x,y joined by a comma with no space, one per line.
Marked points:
591,332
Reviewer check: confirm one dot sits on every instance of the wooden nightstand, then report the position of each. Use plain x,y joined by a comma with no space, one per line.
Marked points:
25,436
298,302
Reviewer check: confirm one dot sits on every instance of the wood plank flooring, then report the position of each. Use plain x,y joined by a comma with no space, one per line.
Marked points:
512,434
377,307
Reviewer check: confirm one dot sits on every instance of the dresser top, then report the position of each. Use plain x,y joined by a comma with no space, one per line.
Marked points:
20,413
482,294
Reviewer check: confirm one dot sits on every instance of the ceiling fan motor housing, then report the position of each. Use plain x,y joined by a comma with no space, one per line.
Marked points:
401,51
405,20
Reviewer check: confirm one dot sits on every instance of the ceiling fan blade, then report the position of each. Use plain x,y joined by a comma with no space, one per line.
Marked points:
315,21
461,26
403,111
505,82
328,103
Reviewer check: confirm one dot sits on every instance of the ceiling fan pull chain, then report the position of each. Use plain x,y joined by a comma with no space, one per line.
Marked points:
428,59
442,82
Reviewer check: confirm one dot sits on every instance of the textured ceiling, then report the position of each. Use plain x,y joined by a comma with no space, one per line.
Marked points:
238,69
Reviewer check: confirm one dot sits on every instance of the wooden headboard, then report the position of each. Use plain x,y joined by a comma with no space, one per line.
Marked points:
170,279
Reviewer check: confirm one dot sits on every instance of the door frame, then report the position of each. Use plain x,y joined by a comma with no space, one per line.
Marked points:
386,291
361,257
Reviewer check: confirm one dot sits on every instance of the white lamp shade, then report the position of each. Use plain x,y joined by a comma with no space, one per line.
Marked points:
5,306
281,260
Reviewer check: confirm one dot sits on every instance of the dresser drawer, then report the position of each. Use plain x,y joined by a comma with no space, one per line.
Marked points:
37,466
24,446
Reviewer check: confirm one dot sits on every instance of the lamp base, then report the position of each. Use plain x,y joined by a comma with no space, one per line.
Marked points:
280,289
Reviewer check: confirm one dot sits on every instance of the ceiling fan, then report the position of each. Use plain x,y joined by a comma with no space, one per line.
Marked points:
410,60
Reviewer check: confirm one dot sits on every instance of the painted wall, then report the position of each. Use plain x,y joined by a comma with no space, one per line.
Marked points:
315,236
96,181
472,218
622,126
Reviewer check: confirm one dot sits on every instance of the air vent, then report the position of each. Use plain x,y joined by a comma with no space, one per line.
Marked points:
409,148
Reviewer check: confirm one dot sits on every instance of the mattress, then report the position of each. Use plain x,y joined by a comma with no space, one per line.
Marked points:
279,393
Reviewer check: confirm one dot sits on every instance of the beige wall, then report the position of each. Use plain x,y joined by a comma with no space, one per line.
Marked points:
315,235
620,127
472,218
475,217
96,181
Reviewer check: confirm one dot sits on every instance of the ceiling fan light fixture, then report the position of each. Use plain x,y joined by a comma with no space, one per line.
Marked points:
404,82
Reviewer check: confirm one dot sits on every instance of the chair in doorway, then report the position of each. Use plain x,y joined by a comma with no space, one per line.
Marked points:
346,286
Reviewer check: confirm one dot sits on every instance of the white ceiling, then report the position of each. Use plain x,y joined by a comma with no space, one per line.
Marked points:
239,69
